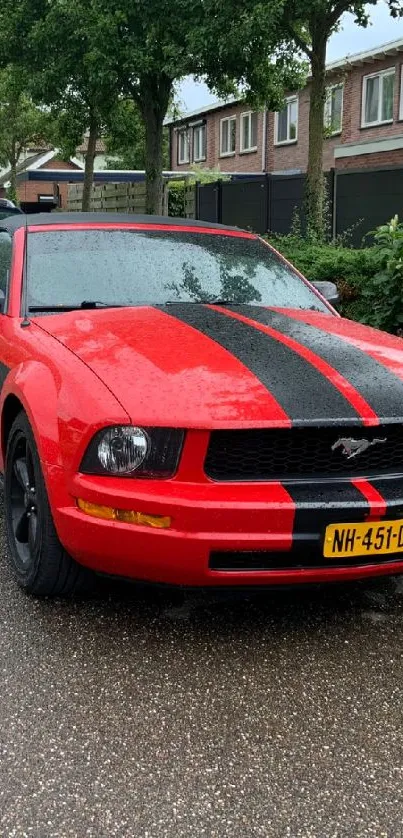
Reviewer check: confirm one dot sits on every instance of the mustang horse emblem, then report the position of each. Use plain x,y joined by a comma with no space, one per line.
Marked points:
353,447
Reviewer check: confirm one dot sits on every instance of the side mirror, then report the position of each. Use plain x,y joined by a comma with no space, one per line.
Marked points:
328,290
2,300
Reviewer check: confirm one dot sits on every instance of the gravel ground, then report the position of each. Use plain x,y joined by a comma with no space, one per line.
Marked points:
139,715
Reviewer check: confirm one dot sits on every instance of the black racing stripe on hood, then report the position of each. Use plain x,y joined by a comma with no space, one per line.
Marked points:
303,392
376,384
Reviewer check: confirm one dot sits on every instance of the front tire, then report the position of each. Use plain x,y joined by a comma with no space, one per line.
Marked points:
39,561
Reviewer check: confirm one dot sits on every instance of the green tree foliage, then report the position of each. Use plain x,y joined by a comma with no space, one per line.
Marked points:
126,140
21,122
125,137
59,45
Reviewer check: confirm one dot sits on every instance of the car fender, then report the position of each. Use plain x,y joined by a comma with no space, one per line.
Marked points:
64,410
33,384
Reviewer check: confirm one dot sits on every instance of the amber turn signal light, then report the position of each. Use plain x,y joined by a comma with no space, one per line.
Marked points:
125,516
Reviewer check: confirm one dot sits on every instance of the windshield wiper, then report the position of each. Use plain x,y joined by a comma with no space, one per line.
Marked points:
86,304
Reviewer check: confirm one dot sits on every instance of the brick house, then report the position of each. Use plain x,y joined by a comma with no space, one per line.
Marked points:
38,195
363,123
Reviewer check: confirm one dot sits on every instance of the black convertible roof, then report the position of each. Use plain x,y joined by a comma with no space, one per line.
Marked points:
15,222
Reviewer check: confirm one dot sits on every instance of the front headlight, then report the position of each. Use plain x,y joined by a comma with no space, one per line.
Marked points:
125,450
122,450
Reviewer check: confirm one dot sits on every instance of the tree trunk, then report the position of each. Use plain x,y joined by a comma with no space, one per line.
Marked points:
153,161
89,164
154,105
12,189
315,179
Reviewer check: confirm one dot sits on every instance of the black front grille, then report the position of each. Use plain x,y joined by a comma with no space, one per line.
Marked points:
296,453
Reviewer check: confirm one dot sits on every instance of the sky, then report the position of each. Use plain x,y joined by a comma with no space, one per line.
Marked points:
350,39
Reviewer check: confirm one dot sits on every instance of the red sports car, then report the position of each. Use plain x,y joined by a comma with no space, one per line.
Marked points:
179,405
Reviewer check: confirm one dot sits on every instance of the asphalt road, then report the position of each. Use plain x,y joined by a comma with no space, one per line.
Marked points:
130,714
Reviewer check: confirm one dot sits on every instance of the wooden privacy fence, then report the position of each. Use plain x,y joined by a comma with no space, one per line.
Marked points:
190,201
113,197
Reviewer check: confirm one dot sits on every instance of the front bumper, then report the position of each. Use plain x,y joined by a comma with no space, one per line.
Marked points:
211,522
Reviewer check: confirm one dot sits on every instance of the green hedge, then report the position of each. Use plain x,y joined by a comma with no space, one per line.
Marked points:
350,269
176,199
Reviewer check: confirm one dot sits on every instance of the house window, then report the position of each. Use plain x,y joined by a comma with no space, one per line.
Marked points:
377,98
199,143
334,109
183,146
401,94
249,131
227,135
286,123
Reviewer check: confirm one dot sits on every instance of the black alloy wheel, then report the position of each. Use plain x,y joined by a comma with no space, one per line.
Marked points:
39,561
25,524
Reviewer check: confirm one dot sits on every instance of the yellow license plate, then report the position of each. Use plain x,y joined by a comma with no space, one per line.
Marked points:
377,539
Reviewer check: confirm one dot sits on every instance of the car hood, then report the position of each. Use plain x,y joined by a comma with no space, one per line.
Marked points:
193,365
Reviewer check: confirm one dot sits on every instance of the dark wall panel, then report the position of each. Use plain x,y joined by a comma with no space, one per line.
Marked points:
209,202
363,200
244,204
286,198
366,199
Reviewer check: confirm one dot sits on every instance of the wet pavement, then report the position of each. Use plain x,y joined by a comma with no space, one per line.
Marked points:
136,714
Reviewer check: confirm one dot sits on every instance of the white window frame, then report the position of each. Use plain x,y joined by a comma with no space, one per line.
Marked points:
186,159
246,149
288,141
328,108
196,129
381,73
228,119
401,93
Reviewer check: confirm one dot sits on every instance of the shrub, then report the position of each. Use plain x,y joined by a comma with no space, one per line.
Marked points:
383,293
176,198
351,270
202,175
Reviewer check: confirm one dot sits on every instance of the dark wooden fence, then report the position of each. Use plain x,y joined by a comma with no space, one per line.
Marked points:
357,201
366,198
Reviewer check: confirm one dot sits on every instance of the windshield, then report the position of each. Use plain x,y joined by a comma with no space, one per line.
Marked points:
154,267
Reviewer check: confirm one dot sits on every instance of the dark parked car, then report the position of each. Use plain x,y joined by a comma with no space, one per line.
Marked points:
7,208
